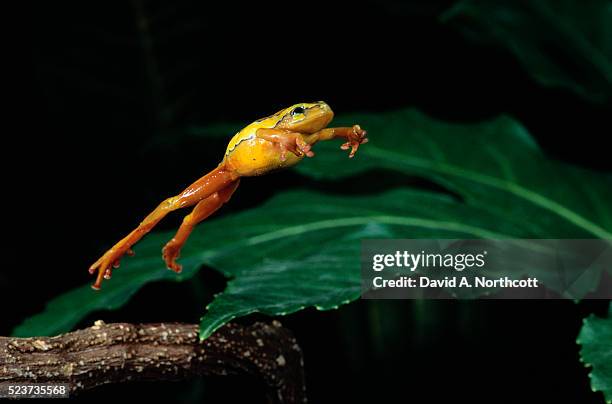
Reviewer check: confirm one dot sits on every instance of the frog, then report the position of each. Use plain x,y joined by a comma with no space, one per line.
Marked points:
275,142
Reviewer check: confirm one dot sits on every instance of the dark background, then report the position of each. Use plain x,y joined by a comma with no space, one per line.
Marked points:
96,136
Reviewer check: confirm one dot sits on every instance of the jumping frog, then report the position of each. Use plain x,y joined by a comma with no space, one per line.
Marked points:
278,141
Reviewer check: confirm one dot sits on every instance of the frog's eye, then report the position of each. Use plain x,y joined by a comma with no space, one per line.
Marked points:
297,111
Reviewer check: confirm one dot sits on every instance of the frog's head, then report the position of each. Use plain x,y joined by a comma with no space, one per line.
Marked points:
305,117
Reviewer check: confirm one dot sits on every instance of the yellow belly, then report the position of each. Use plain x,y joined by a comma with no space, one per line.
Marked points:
257,156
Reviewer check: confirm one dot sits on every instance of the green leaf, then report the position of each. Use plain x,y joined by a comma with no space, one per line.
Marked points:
494,165
561,43
595,339
301,249
297,250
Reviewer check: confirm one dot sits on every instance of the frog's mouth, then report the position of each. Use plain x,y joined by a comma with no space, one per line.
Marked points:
316,118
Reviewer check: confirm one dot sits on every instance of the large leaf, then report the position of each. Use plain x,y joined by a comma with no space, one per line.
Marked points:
596,340
299,249
494,165
561,43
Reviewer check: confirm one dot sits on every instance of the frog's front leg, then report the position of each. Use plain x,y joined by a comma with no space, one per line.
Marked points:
287,141
354,136
202,210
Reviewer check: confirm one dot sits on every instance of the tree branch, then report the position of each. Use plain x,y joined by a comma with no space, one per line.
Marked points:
116,353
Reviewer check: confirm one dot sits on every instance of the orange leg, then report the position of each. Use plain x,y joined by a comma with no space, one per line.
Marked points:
354,136
203,209
209,184
287,141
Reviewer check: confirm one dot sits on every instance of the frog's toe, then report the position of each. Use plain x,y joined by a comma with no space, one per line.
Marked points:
303,147
104,266
170,254
355,139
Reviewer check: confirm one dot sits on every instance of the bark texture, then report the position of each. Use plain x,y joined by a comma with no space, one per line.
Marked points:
117,353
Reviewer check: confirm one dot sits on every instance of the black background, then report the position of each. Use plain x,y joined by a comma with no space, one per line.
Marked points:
94,138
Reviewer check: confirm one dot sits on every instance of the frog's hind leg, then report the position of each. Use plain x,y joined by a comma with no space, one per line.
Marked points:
206,186
202,210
